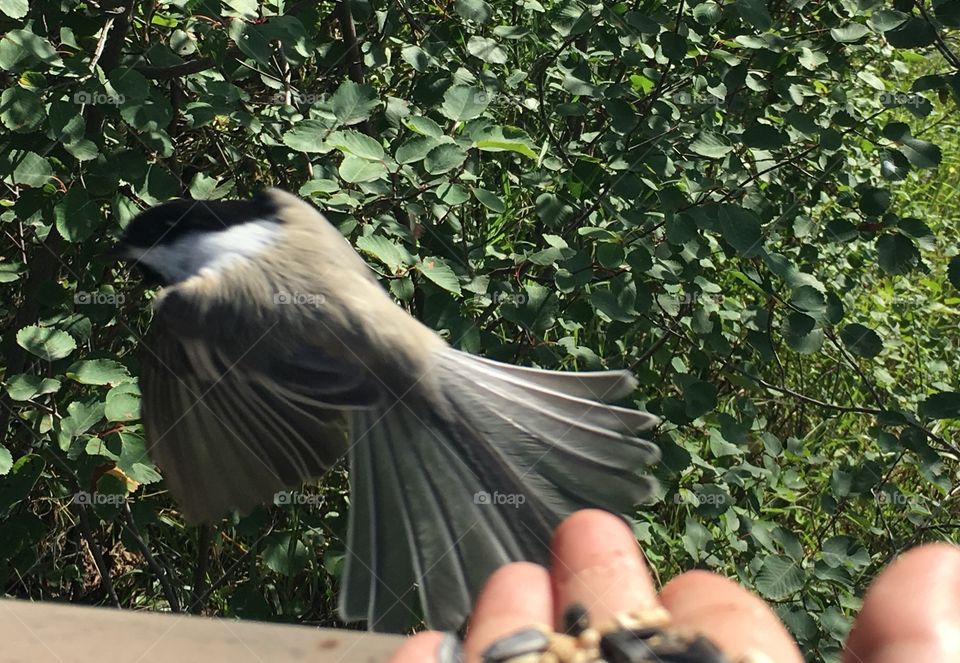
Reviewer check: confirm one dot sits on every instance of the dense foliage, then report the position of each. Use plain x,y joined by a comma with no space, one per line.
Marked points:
742,201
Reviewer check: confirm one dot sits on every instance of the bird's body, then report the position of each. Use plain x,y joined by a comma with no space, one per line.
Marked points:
275,351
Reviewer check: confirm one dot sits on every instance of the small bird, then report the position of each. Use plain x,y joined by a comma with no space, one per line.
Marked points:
274,352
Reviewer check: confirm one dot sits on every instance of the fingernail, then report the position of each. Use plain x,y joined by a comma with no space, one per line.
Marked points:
450,649
575,619
519,643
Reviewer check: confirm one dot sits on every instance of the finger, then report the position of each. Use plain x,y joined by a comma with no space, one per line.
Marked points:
516,596
421,648
911,611
596,562
734,619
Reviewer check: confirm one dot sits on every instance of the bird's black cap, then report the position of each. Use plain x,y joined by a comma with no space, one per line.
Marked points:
170,221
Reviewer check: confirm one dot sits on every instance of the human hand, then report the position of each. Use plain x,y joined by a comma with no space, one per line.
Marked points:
911,612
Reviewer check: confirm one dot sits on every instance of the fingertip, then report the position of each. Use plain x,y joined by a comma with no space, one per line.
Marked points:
588,518
736,620
588,535
419,648
911,609
596,562
515,596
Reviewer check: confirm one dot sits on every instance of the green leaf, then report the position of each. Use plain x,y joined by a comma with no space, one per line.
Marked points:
894,166
779,578
486,49
244,8
81,417
710,145
861,340
944,405
707,13
755,13
505,139
552,210
6,461
606,302
700,398
252,40
947,12
423,126
353,103
443,158
874,201
21,110
764,137
953,271
918,152
123,403
916,32
30,43
357,144
415,149
897,254
849,33
76,215
285,553
462,102
134,460
801,333
811,59
883,20
14,8
394,256
915,228
673,46
535,311
31,170
10,271
99,372
26,387
308,136
355,170
20,481
741,229
47,343
809,299
440,273
473,10
489,200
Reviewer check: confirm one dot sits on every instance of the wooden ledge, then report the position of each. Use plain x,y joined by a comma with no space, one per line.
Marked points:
39,632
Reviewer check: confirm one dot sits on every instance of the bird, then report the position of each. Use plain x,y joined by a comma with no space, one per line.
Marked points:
274,351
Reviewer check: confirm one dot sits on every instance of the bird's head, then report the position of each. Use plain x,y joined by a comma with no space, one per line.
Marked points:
174,241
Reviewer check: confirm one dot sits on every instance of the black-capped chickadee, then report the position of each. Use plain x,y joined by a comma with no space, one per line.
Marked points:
274,351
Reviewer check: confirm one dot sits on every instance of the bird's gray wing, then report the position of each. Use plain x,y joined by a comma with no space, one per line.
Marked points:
233,421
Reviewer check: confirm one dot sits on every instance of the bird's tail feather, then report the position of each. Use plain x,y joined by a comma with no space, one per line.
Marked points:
445,494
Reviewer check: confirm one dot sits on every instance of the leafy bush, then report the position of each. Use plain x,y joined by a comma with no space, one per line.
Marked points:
743,202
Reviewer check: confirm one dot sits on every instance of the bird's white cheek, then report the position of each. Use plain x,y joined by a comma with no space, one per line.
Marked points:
206,254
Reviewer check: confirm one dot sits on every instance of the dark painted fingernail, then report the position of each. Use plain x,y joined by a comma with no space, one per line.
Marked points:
575,619
649,644
450,649
624,647
520,643
699,650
